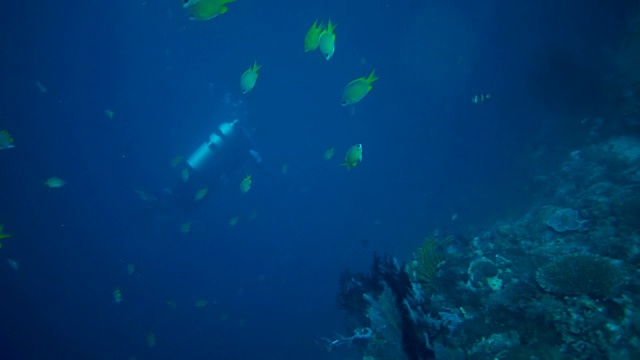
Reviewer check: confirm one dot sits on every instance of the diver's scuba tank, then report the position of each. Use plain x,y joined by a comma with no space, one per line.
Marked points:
217,141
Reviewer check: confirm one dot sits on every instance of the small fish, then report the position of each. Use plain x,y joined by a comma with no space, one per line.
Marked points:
206,9
353,157
6,141
109,114
312,39
284,169
186,227
201,303
249,78
2,233
117,296
480,98
245,184
171,304
176,160
329,153
144,195
234,221
13,264
54,182
185,174
151,340
327,41
41,87
358,88
131,269
201,194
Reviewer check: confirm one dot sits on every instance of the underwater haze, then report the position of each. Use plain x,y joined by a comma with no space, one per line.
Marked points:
164,199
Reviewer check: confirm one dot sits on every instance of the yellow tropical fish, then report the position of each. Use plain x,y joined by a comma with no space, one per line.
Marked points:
2,234
6,141
186,227
117,296
206,9
144,195
249,78
201,194
327,41
480,98
357,89
176,160
329,153
245,184
151,340
312,39
353,157
54,182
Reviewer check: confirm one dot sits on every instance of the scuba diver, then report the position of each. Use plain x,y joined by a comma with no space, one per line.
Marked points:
228,149
219,159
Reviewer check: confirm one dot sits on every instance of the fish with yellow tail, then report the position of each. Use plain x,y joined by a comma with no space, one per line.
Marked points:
3,235
353,156
327,41
245,184
200,194
480,98
358,88
6,141
312,39
54,182
329,153
249,78
206,9
117,296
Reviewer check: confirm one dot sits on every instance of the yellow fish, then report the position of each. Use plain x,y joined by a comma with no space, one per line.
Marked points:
117,296
144,195
201,194
109,114
327,41
201,303
206,9
312,39
151,340
249,78
480,98
176,160
185,174
245,184
54,182
131,269
186,227
357,89
234,221
6,141
354,155
2,234
329,153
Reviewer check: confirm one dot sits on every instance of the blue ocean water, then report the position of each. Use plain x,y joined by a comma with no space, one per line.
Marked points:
433,161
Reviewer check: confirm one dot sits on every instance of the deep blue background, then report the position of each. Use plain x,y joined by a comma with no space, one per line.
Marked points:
429,153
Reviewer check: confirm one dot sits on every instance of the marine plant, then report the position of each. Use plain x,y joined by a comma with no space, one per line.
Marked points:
426,260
